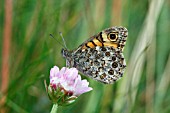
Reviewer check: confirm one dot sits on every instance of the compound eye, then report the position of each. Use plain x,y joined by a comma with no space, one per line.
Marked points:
112,36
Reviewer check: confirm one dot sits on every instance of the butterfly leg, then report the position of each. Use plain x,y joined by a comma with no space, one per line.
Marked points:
67,64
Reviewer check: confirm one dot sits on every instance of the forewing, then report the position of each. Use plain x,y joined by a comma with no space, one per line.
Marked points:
112,37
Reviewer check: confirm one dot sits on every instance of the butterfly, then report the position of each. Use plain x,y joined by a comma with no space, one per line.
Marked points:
101,56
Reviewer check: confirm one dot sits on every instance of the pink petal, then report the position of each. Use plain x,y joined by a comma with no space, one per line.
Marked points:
62,71
81,86
54,71
72,74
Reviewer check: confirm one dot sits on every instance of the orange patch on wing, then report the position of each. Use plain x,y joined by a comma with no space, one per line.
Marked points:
90,44
97,42
84,47
111,44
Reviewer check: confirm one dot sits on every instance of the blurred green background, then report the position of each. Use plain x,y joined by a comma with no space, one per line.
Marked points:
145,85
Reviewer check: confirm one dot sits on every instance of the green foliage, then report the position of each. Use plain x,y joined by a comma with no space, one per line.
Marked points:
33,53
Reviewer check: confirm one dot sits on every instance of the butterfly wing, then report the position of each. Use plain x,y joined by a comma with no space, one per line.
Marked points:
101,57
114,36
104,64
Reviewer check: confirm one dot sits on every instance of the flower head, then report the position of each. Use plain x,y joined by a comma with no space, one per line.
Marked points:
66,85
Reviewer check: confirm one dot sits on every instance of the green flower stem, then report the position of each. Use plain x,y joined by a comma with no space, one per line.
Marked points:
54,108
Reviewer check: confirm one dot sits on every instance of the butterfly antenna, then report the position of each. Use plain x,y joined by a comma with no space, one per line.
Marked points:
63,39
57,40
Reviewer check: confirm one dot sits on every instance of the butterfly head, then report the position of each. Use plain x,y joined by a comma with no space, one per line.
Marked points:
65,53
